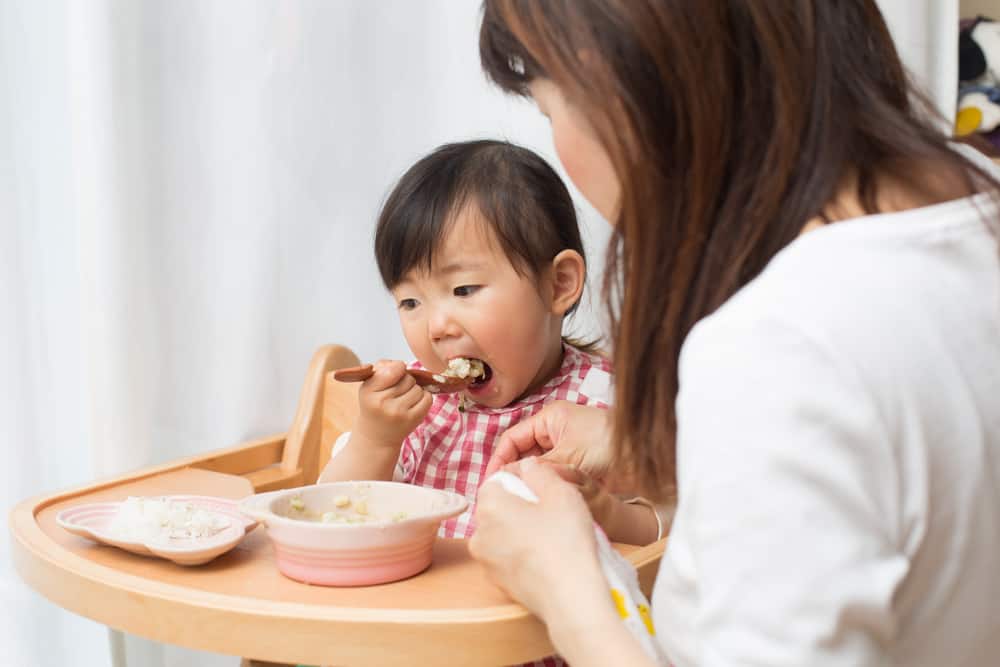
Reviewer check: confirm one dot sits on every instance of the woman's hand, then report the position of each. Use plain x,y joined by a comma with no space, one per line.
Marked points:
543,554
621,521
392,405
600,503
562,432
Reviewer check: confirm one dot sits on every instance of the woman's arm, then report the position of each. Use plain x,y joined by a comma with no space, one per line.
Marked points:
545,556
562,432
593,636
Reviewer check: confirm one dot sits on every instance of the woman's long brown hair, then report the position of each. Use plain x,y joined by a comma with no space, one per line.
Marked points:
731,123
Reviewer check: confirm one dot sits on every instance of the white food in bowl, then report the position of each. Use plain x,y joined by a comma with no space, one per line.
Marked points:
344,510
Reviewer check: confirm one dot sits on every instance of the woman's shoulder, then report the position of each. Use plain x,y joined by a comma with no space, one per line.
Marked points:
890,310
852,280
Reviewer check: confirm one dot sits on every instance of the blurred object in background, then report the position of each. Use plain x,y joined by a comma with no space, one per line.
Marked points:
978,117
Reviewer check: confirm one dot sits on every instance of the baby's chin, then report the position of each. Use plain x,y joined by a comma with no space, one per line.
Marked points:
496,396
491,394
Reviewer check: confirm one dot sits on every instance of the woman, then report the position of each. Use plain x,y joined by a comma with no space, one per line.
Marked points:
804,289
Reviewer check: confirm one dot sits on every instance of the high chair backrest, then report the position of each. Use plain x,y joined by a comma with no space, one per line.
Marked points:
326,409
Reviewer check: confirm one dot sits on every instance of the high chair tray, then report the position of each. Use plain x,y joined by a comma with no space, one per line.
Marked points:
240,604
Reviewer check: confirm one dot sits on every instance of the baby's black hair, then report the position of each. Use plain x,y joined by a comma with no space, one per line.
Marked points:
523,201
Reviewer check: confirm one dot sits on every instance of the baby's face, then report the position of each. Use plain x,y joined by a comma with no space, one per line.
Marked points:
474,304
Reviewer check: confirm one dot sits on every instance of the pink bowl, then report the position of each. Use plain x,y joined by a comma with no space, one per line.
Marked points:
394,542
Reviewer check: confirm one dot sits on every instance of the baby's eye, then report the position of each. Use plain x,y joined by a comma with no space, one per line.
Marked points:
466,290
407,304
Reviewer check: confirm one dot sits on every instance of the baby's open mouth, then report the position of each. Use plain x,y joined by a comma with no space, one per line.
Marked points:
486,374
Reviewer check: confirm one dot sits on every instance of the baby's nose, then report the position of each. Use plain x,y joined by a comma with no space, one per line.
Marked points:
441,326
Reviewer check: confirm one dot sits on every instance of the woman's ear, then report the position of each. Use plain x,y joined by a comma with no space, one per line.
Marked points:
569,272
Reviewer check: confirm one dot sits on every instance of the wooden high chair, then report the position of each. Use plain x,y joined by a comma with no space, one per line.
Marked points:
239,604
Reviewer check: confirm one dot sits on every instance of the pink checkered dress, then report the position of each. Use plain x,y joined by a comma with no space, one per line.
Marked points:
450,449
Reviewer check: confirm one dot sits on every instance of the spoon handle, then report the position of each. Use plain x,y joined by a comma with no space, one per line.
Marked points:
354,373
424,378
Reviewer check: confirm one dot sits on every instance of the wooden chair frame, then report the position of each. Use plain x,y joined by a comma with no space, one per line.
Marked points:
326,409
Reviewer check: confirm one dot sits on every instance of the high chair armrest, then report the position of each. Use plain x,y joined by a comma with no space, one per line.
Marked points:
243,459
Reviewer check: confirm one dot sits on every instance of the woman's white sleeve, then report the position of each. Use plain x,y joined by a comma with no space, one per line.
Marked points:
787,479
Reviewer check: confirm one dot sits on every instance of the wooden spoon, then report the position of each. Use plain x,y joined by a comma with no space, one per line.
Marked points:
425,379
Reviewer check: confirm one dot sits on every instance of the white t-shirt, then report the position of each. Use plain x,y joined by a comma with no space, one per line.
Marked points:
839,454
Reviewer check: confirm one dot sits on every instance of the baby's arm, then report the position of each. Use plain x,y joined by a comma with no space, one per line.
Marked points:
391,406
637,521
359,459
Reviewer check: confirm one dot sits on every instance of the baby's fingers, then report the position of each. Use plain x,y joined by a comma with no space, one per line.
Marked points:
388,374
417,401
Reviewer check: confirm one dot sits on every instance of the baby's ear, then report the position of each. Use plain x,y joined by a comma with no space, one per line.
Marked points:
569,272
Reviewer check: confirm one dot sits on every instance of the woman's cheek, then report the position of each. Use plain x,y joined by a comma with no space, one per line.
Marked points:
587,165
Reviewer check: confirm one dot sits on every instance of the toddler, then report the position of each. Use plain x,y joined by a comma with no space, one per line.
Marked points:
479,245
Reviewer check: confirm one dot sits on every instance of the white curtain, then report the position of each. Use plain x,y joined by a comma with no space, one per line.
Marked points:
187,196
926,35
188,192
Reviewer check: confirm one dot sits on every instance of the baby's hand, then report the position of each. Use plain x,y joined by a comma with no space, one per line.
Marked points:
392,405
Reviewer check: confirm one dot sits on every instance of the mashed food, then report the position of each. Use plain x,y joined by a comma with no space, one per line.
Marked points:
159,519
462,368
345,509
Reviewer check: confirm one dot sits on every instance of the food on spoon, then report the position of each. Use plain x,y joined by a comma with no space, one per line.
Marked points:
462,368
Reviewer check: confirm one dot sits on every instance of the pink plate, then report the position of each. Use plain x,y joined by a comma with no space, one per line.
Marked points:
92,520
